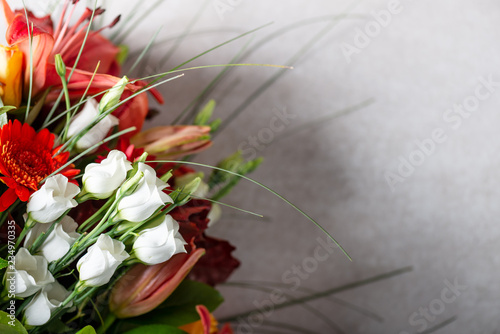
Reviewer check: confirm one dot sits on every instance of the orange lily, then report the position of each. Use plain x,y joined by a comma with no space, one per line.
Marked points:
143,287
11,66
66,40
206,325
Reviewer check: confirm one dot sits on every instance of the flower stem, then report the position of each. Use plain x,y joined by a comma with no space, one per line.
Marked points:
29,224
83,227
110,319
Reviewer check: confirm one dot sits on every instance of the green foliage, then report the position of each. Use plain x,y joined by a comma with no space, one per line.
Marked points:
87,330
182,195
5,109
156,329
205,114
121,57
214,126
232,163
236,164
6,325
3,263
180,308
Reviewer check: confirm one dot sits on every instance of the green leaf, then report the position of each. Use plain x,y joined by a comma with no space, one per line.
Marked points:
87,330
182,195
58,326
214,126
205,114
180,308
3,263
232,163
156,329
244,169
35,111
9,326
123,54
5,109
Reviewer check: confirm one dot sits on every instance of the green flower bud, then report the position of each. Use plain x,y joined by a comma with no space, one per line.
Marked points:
112,97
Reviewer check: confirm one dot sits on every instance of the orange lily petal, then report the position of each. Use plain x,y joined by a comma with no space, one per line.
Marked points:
42,43
7,12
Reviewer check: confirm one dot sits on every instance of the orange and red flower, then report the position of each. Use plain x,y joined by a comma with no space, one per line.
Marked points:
26,158
48,40
206,325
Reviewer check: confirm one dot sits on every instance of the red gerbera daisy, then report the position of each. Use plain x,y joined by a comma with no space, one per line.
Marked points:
26,158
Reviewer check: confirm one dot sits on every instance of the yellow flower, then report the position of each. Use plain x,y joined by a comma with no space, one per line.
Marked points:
11,68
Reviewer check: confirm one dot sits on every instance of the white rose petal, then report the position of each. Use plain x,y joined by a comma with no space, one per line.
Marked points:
98,265
104,178
58,242
87,116
52,199
146,199
31,273
39,309
158,244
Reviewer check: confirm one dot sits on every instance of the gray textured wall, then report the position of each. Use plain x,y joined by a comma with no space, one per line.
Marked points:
428,69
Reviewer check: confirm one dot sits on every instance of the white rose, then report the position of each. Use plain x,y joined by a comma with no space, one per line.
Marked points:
39,309
158,244
98,265
146,199
83,119
102,179
52,199
31,273
58,242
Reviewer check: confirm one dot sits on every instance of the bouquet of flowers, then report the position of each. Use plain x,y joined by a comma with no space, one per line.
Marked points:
102,229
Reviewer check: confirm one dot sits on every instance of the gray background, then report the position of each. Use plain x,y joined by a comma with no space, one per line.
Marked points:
441,219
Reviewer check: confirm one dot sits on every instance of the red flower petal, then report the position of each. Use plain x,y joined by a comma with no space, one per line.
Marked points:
26,158
218,263
7,199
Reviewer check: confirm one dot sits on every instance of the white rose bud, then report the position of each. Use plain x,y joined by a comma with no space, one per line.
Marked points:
31,273
39,309
102,179
158,244
112,97
58,242
98,265
146,199
83,119
52,199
